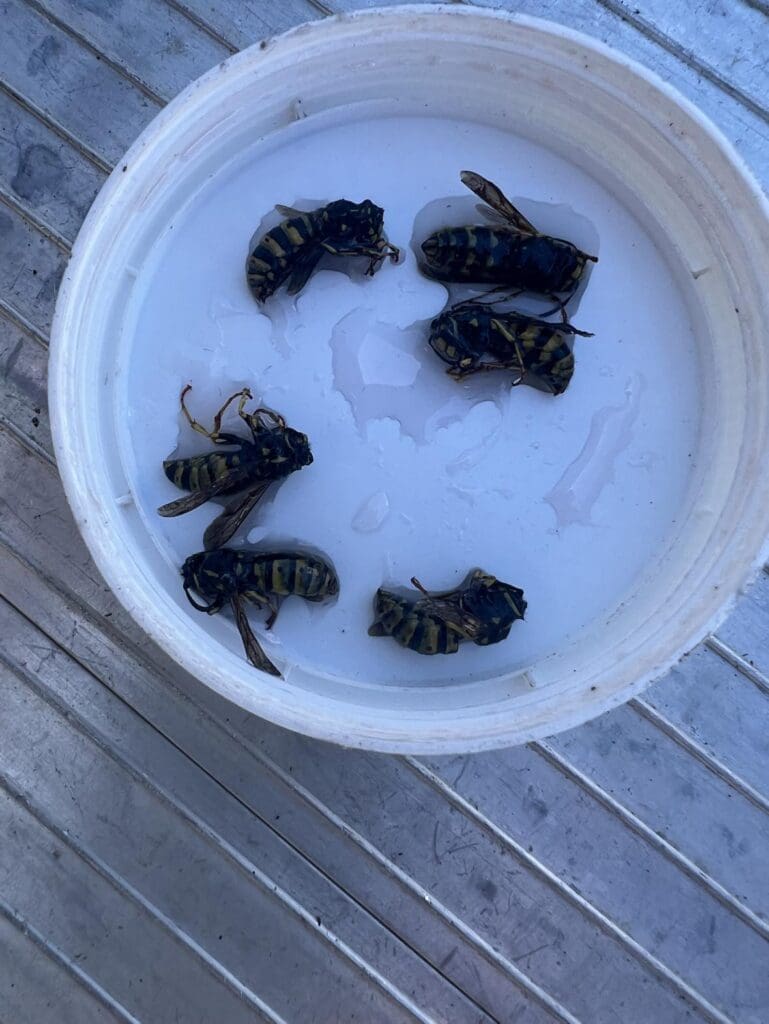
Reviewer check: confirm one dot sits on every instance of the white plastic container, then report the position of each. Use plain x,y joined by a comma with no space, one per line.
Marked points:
632,509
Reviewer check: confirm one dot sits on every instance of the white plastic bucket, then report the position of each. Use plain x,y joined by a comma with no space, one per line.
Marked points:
545,90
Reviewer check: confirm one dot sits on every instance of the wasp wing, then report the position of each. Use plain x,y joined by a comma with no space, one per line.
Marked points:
195,498
289,211
303,268
465,623
252,647
186,504
494,197
234,515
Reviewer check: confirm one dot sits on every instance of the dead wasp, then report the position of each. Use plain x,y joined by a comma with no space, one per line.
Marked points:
481,610
249,465
290,252
264,578
537,350
513,255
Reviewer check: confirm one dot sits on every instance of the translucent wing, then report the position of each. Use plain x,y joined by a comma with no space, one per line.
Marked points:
303,268
253,649
232,518
492,195
195,498
289,211
447,607
467,625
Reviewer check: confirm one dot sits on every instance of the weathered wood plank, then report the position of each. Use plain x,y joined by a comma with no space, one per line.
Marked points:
729,41
747,628
30,270
678,798
720,710
23,383
61,77
44,174
93,921
35,989
144,840
516,909
243,22
154,43
585,845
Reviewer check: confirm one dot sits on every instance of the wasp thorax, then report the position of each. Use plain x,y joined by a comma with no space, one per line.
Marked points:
355,221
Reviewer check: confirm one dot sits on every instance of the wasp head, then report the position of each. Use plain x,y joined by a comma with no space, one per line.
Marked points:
212,574
452,342
299,445
492,600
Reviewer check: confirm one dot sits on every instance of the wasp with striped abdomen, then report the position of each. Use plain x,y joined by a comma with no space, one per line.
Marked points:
245,469
512,255
289,253
227,576
481,610
473,337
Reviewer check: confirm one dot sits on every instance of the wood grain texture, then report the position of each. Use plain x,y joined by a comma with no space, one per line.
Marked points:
240,23
92,640
609,874
185,884
151,43
82,93
36,987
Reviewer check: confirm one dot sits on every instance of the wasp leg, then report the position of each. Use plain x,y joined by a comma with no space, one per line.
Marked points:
210,609
484,367
509,294
458,372
388,249
276,418
264,604
521,363
572,329
244,396
375,255
273,616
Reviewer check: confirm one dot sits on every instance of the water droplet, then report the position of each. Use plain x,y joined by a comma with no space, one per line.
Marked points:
611,431
372,513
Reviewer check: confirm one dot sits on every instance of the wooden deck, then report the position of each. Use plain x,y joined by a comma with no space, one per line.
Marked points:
166,857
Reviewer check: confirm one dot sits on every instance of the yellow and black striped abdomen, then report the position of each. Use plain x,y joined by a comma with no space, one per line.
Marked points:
304,576
412,625
201,472
277,254
474,253
548,356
